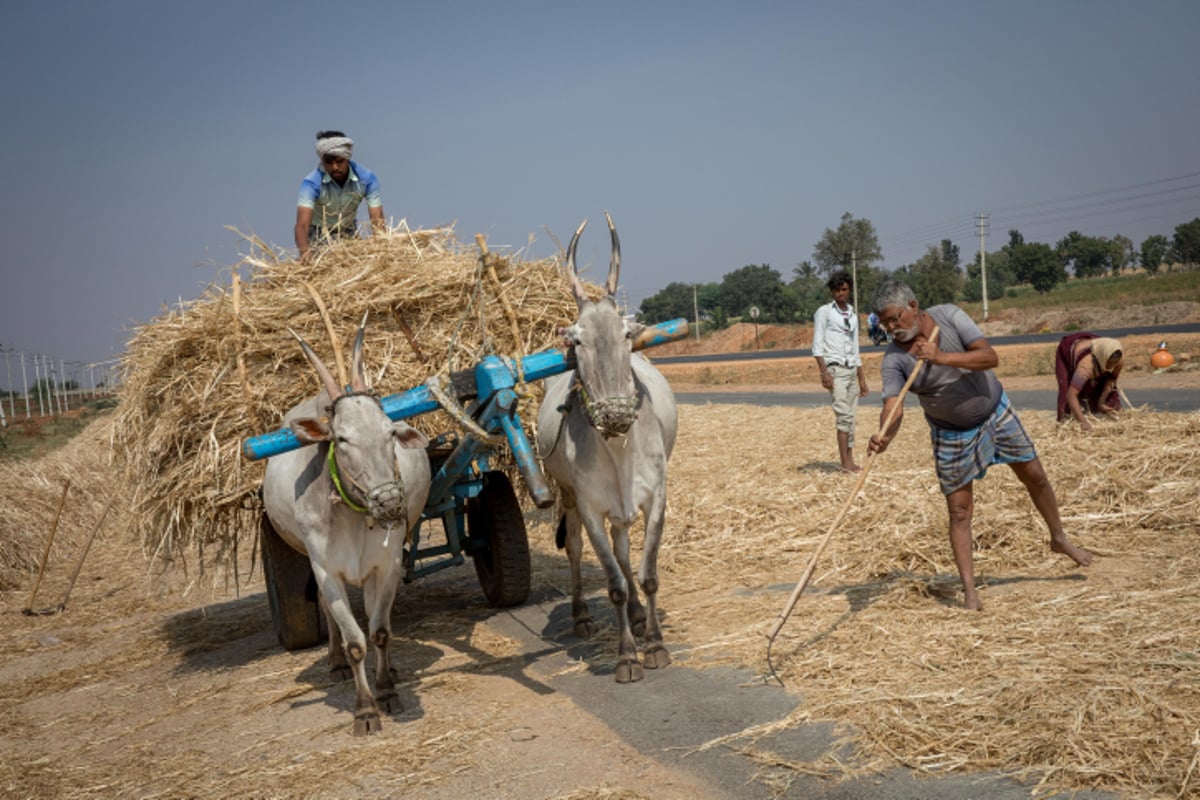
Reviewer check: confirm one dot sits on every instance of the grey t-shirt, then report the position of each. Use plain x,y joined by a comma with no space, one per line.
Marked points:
952,398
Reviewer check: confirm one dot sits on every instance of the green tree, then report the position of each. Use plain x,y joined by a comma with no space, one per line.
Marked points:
1185,247
1154,250
935,277
760,286
1038,265
670,303
809,289
1124,254
852,247
1086,256
999,277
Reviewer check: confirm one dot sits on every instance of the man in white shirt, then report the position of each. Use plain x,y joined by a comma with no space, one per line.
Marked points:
835,346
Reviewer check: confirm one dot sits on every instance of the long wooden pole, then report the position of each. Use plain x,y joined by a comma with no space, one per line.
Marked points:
87,545
49,541
862,477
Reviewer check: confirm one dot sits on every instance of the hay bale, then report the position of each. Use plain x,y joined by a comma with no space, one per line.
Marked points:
184,410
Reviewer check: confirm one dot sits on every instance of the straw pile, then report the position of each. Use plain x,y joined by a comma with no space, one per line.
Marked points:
31,492
435,306
1074,678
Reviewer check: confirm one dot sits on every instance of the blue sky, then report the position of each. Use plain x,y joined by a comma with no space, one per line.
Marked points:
717,134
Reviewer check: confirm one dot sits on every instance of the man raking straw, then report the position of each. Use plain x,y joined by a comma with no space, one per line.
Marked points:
972,425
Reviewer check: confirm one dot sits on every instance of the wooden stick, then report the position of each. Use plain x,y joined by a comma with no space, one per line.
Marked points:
83,555
862,477
333,338
408,334
489,261
237,336
49,541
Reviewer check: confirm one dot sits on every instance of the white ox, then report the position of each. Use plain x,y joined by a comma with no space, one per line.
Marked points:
605,432
382,468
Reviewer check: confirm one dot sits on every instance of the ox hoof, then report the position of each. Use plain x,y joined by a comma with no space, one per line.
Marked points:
629,671
389,703
341,673
656,657
367,723
585,628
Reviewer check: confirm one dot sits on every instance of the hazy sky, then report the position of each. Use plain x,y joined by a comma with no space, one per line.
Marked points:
717,134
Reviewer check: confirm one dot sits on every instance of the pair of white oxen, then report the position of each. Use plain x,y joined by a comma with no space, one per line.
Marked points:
605,432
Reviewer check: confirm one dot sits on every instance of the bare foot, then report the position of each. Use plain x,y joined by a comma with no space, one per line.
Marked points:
852,468
971,602
1078,554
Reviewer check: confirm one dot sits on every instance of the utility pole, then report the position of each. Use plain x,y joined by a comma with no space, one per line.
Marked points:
64,395
854,282
37,385
12,408
981,224
696,311
25,385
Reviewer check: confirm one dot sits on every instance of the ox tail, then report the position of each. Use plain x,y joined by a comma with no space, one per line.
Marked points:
560,534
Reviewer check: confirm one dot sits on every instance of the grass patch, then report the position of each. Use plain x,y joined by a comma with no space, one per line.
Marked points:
1112,291
37,436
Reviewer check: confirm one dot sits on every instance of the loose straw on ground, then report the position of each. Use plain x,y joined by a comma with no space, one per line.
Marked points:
46,554
862,477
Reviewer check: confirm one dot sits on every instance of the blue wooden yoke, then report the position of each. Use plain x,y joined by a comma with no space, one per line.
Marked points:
491,375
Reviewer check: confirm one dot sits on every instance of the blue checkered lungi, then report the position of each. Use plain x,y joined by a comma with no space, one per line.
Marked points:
964,456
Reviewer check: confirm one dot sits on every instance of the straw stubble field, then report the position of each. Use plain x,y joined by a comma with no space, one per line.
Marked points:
168,682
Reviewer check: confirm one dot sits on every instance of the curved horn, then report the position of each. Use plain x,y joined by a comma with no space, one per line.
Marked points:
334,342
614,264
326,376
358,380
572,272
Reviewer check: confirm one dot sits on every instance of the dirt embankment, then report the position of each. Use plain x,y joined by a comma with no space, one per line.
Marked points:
744,336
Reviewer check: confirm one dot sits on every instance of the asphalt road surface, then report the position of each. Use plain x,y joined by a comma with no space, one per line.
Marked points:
996,341
674,711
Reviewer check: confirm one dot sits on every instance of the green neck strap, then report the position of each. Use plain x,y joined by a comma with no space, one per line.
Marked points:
337,481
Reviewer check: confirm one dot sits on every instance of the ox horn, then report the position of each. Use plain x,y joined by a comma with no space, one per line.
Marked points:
326,376
333,339
572,273
359,383
614,264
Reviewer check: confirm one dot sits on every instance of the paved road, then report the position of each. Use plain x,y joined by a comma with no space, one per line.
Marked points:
1040,400
1031,338
675,710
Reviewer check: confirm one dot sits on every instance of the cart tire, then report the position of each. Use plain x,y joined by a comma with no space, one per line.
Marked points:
291,591
497,528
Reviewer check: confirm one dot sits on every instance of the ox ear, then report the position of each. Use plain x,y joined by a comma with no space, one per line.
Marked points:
409,437
633,329
312,429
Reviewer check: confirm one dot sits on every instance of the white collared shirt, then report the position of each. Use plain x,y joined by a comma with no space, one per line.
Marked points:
835,335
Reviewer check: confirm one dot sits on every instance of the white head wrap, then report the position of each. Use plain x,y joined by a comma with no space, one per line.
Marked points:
337,146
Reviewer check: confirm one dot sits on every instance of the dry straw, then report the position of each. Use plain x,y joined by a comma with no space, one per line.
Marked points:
185,409
1078,678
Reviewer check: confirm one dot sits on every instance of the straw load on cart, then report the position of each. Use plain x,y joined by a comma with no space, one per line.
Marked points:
204,376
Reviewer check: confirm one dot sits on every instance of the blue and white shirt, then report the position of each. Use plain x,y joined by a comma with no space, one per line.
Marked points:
335,207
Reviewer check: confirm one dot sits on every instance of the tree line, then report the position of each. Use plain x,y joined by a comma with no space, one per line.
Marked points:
938,276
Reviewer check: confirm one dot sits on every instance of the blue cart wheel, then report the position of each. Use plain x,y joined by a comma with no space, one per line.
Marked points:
291,591
500,544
